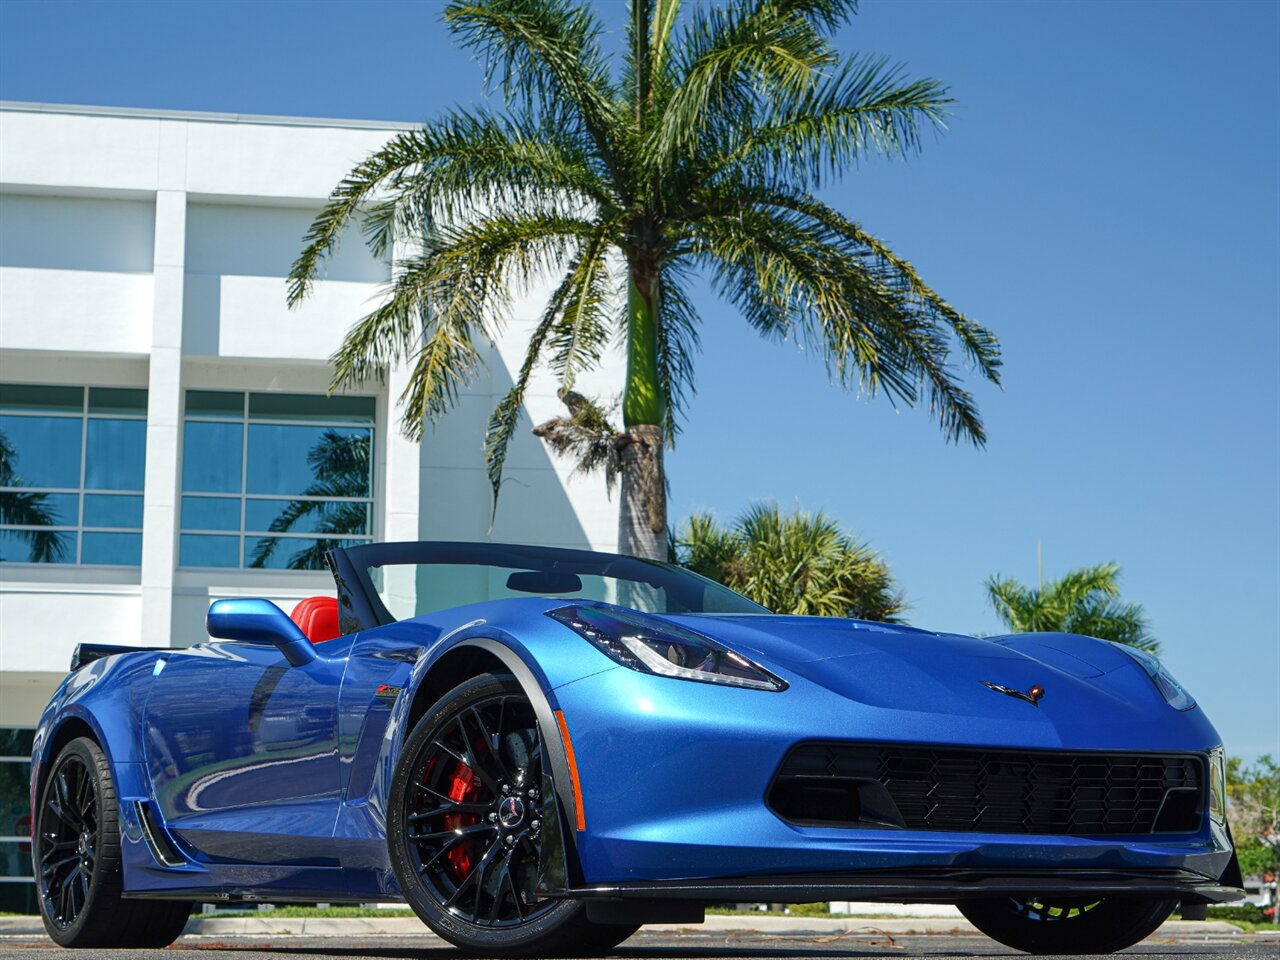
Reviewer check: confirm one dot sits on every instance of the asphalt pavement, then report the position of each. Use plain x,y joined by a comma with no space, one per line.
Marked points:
691,943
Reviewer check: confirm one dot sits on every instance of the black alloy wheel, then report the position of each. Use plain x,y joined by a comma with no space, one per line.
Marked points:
76,858
466,833
474,831
67,842
1068,925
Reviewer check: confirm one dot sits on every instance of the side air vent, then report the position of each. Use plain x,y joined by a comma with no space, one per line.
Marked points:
989,791
158,841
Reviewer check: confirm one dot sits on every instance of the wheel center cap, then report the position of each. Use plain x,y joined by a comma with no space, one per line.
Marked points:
511,812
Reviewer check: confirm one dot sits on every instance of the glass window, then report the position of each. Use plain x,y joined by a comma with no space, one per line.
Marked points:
274,480
199,551
72,462
40,451
210,513
120,511
17,888
416,579
26,396
215,403
112,400
295,406
115,549
211,455
115,451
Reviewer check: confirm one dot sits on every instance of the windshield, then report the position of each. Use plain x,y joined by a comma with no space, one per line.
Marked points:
415,579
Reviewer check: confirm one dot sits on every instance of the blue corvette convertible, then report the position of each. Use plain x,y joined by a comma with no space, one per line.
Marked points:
540,749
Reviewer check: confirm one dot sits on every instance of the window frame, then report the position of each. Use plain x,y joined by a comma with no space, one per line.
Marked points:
79,529
9,838
242,534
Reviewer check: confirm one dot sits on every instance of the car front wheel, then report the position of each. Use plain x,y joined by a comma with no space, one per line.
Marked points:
1066,925
465,828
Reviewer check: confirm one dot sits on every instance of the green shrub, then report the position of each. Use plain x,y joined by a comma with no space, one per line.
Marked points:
809,909
1249,913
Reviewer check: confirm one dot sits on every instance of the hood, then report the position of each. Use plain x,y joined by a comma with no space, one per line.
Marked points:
885,665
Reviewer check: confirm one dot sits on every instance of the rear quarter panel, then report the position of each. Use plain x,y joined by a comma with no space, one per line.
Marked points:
108,697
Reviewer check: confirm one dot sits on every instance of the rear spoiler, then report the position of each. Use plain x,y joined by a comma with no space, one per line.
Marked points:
89,652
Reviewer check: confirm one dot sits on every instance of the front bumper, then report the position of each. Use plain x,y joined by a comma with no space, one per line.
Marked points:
674,776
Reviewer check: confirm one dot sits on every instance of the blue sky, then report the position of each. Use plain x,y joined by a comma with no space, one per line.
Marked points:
1107,200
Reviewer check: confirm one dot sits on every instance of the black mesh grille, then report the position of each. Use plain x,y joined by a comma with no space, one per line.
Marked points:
996,791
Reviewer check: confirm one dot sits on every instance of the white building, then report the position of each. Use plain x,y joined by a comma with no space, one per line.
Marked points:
159,401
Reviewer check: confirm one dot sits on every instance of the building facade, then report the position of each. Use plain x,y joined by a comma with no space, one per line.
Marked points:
166,437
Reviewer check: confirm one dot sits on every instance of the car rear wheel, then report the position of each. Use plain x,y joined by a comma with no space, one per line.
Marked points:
465,828
1066,925
76,857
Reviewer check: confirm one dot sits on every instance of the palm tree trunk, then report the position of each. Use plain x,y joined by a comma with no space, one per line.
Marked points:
642,509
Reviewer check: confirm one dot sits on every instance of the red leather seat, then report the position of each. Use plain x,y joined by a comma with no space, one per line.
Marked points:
317,617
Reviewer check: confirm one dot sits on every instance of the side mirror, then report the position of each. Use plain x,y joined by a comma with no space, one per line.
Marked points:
260,621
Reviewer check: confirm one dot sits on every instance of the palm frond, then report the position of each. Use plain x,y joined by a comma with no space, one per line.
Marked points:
1078,585
443,172
866,106
732,55
548,57
797,563
678,342
402,151
442,302
586,435
1085,600
506,415
581,332
979,343
1014,604
793,275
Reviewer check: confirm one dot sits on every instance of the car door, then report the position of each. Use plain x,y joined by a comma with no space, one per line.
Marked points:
242,750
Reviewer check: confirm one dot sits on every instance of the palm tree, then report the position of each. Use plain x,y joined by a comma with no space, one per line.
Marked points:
800,563
342,468
1086,600
697,153
29,509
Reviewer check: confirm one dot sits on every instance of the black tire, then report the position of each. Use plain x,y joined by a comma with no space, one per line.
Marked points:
1064,925
76,859
468,871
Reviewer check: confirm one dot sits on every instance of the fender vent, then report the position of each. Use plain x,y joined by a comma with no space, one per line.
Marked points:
158,841
989,791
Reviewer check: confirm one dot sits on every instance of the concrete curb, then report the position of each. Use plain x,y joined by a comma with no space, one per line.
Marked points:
738,926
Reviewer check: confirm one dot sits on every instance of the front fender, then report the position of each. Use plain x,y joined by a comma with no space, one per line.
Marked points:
540,653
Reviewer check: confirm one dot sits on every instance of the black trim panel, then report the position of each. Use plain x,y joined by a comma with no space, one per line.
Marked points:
89,652
925,886
157,841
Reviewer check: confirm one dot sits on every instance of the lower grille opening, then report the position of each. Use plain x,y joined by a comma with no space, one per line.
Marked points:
1181,807
808,800
989,791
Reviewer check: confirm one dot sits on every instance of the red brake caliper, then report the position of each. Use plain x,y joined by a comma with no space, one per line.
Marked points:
463,788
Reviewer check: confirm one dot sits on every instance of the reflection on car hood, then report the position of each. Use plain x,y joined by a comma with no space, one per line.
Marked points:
902,667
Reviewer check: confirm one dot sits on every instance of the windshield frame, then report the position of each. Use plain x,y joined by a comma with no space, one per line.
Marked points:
361,606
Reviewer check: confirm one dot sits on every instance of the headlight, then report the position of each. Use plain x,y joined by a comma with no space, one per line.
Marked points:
654,646
1218,784
1173,691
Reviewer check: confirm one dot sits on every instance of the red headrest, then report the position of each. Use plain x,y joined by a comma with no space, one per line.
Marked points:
317,617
